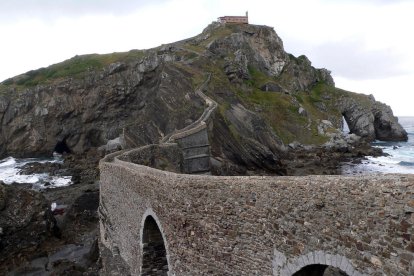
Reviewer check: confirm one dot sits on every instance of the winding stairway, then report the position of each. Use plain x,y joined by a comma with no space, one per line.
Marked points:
192,139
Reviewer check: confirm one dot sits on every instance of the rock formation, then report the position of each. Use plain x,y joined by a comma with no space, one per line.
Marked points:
371,119
88,101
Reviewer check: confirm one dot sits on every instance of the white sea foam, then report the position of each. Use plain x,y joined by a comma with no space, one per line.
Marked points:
9,161
400,157
10,169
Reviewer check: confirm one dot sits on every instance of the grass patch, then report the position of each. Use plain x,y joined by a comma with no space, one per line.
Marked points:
221,31
258,78
75,67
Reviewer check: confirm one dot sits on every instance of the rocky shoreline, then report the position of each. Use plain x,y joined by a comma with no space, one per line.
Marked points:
265,98
328,158
34,240
30,244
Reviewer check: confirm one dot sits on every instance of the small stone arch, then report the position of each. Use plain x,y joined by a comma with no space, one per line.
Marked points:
313,262
319,270
154,249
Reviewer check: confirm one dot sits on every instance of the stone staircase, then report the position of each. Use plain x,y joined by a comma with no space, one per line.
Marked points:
192,139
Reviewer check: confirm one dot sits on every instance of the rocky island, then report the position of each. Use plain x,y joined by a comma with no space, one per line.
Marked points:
274,114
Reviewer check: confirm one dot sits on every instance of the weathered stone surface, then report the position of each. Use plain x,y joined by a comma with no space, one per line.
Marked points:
237,69
371,119
21,222
259,146
260,44
257,225
87,113
299,75
386,125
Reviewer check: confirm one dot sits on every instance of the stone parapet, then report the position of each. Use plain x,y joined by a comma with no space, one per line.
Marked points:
260,225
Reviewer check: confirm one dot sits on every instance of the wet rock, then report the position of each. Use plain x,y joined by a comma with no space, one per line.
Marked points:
328,158
47,167
36,240
22,223
3,195
386,125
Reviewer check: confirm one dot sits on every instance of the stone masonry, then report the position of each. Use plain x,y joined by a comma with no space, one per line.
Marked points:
158,221
266,225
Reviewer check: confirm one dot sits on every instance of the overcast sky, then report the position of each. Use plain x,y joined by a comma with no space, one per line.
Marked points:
367,44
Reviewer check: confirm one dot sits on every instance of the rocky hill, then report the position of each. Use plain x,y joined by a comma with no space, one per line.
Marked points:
267,100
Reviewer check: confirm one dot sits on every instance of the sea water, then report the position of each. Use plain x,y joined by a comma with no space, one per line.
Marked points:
399,159
10,172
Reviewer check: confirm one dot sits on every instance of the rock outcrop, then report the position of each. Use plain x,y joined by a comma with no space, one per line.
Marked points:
371,119
22,225
36,240
260,45
86,113
88,101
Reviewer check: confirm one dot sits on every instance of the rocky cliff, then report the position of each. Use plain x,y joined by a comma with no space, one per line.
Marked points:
267,99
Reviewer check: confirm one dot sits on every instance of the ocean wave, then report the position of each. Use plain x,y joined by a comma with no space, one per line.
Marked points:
384,159
10,169
407,164
6,162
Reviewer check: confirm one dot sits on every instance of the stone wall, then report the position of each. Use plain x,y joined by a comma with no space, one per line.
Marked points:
259,225
195,148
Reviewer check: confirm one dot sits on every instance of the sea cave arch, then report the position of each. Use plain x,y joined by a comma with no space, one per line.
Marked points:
345,125
154,252
61,147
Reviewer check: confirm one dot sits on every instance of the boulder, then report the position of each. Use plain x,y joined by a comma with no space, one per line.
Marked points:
302,111
111,146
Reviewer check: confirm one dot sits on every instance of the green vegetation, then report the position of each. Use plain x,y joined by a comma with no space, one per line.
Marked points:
75,67
281,111
258,78
222,31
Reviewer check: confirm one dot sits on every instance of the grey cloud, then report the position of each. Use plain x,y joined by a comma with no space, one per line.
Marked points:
12,9
367,2
350,59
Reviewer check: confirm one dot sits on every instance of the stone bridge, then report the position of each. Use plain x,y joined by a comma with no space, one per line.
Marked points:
162,222
156,220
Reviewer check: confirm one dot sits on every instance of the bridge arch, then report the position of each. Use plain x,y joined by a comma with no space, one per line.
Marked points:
319,270
314,263
154,248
